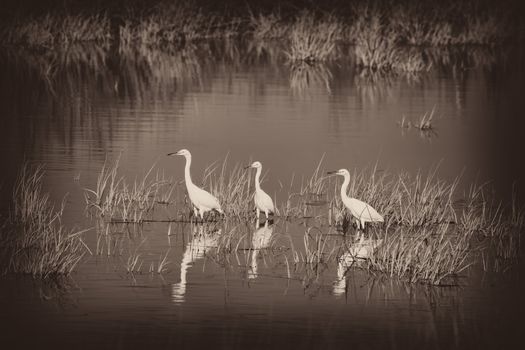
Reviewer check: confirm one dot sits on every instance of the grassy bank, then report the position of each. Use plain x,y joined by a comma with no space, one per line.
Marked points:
383,35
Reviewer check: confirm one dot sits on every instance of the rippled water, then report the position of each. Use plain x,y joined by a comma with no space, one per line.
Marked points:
70,112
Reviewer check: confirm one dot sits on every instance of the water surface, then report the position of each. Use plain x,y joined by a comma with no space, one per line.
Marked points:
223,101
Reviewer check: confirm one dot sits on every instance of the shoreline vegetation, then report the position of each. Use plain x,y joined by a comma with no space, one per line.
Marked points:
377,35
33,239
431,234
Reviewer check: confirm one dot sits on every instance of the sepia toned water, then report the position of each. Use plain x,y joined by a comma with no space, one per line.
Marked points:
74,110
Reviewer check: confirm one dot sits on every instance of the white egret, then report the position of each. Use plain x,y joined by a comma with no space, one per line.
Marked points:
263,202
362,211
201,200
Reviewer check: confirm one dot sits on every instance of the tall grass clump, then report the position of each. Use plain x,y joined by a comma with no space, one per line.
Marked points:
169,24
434,255
34,240
375,42
312,39
403,199
232,188
377,45
117,200
417,25
268,27
304,196
54,30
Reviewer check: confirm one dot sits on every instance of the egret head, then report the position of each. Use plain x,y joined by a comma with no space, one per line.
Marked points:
342,172
256,165
183,152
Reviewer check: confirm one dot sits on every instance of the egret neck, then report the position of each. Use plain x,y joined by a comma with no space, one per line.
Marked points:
257,180
344,186
187,176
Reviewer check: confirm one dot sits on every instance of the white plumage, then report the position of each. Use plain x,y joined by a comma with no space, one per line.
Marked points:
263,202
201,200
362,211
261,239
362,250
203,238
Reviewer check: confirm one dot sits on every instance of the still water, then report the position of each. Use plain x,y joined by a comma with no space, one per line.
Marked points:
73,110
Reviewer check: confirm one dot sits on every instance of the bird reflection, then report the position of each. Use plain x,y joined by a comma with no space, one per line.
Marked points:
358,253
204,237
262,238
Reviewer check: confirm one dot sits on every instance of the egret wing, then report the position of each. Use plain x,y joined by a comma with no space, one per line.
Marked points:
202,198
362,210
263,201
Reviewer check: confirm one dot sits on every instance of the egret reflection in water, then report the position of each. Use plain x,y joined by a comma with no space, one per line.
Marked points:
261,239
357,253
204,237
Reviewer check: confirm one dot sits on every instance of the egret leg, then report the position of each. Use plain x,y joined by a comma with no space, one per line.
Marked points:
258,213
363,224
201,214
267,213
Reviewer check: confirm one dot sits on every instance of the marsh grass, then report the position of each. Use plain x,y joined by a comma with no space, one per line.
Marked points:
431,234
313,40
34,240
231,187
318,248
377,46
170,24
119,201
433,254
385,35
268,27
375,43
56,30
424,123
304,197
408,200
423,200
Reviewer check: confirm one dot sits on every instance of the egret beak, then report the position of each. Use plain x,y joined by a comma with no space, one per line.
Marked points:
172,154
247,167
331,172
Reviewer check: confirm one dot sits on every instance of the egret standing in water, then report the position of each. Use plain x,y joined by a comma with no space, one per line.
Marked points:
263,202
201,200
362,211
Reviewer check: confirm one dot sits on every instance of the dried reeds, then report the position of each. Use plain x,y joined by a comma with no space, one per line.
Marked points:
34,240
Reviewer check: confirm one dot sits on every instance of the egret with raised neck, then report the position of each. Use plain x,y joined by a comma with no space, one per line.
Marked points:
263,202
362,211
201,200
